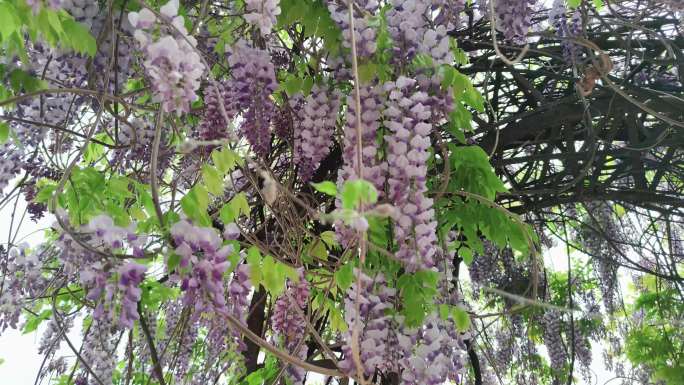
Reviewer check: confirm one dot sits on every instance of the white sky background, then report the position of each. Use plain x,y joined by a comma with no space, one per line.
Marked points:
20,352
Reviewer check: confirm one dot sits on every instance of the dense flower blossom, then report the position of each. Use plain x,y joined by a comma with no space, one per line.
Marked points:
566,28
289,322
239,289
112,286
10,164
552,328
374,167
203,261
262,14
375,327
248,92
314,129
407,116
513,19
364,33
252,83
99,352
83,11
433,353
22,277
606,255
408,22
171,61
214,125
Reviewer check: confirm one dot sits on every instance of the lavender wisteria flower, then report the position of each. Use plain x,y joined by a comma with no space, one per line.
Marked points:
171,61
83,11
314,129
553,340
376,337
409,24
203,262
407,116
566,28
374,167
247,92
239,290
99,351
364,32
252,83
130,277
607,255
289,322
262,14
22,277
432,354
513,19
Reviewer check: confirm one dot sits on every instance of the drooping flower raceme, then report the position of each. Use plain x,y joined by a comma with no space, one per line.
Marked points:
171,61
566,29
432,354
314,130
238,291
364,33
253,82
606,255
552,328
514,18
113,289
248,91
407,116
289,323
376,335
408,22
262,14
374,167
203,261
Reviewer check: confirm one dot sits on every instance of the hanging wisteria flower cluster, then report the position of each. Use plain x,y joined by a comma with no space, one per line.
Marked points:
314,129
289,322
203,262
171,60
262,14
407,116
514,18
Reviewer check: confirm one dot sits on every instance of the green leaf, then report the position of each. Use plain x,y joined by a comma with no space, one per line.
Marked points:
195,204
466,254
329,238
232,210
45,192
8,20
344,276
4,132
227,214
225,160
317,249
273,277
213,179
326,187
173,261
461,319
356,192
22,81
79,37
254,262
443,311
32,321
367,72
